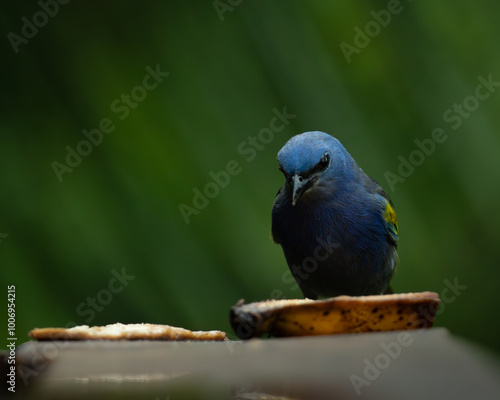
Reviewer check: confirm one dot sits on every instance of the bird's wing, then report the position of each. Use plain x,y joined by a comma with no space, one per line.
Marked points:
390,216
376,188
392,222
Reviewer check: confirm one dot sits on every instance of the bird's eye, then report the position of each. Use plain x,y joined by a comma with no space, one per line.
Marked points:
324,162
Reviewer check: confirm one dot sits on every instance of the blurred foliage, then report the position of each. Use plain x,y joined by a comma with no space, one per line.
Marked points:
228,70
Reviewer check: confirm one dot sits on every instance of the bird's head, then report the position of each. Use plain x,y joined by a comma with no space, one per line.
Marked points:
313,163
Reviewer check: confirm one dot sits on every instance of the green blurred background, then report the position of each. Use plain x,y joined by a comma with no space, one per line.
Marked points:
228,69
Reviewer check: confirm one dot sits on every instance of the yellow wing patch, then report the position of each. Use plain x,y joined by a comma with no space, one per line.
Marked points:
392,221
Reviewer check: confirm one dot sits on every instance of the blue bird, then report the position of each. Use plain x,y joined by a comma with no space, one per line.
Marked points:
336,225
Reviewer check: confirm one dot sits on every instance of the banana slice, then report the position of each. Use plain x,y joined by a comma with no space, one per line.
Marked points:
342,314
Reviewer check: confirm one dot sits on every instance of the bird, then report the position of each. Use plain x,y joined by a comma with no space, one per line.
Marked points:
337,227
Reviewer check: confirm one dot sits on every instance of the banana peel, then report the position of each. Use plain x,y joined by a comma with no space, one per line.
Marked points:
342,314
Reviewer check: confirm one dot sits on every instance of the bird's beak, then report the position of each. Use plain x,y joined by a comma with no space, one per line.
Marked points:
300,184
